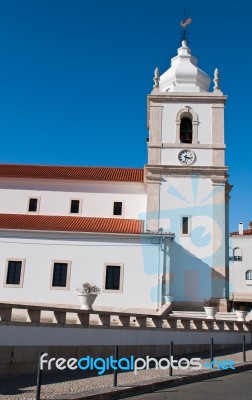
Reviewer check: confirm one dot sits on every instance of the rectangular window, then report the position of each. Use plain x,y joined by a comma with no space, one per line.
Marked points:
117,208
237,258
59,274
112,280
33,205
185,225
75,207
14,273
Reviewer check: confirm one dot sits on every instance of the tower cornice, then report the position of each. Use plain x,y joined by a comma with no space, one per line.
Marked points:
208,172
207,97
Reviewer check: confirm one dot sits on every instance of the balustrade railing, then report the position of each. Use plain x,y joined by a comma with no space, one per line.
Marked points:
33,314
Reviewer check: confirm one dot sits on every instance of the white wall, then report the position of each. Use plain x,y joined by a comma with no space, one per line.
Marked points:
237,269
97,197
67,336
204,112
194,255
88,255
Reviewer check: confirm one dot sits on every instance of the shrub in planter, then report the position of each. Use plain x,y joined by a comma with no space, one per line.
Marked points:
87,294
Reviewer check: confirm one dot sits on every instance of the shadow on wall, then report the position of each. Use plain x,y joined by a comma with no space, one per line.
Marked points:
191,278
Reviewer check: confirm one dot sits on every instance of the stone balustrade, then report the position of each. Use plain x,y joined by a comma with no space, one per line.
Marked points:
82,318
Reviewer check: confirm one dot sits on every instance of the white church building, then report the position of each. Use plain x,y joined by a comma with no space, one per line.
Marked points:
144,236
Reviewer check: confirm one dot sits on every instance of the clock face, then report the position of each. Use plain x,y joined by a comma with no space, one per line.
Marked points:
187,157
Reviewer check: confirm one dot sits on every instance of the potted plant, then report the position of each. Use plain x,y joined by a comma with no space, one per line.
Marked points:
241,313
87,294
210,308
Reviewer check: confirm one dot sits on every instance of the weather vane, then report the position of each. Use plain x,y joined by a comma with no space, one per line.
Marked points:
184,23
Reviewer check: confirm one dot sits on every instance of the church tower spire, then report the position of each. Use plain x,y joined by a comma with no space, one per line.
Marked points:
184,74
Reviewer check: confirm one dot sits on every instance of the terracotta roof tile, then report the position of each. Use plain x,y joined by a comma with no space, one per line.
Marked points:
70,224
245,232
72,172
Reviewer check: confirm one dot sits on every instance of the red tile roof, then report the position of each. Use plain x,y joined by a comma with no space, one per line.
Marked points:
70,224
245,232
72,172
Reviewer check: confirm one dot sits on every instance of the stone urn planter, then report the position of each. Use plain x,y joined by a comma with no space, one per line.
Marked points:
241,314
87,295
210,312
87,300
169,299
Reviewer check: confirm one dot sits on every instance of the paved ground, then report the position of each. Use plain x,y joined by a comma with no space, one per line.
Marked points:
232,387
71,384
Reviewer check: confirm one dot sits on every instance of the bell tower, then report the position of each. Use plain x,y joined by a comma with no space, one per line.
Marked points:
186,176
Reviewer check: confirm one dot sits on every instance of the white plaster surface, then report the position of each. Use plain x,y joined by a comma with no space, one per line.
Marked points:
49,336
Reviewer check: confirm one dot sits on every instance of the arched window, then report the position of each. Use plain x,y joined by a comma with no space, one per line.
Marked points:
187,126
249,275
186,130
237,254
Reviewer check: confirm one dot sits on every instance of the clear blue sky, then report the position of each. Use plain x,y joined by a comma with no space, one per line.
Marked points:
75,75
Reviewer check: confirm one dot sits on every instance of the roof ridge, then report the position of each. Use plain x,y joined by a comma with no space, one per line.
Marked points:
67,166
119,174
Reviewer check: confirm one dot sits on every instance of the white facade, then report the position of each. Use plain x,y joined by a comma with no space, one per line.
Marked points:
87,258
96,198
240,269
49,250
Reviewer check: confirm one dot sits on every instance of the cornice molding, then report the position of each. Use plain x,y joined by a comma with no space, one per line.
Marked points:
219,180
209,172
186,97
159,145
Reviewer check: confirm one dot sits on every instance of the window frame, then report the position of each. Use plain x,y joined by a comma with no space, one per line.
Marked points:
189,225
109,264
80,206
237,257
122,214
189,118
67,287
248,281
187,112
38,204
21,282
